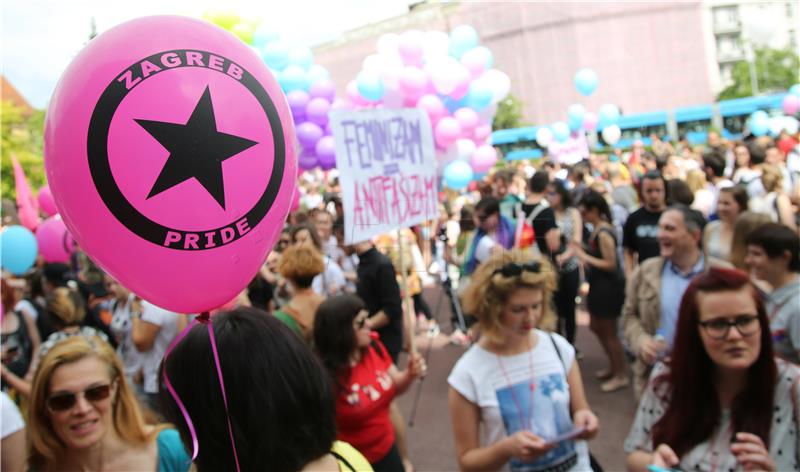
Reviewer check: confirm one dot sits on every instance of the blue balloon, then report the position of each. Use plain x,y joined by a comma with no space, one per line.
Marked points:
759,115
458,174
452,104
575,113
795,89
608,115
370,86
462,39
316,73
301,56
479,96
276,55
560,131
293,78
263,35
759,123
586,81
18,250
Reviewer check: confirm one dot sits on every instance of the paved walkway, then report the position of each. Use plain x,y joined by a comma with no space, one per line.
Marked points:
430,439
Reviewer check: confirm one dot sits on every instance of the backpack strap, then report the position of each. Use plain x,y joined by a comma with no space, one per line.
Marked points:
558,353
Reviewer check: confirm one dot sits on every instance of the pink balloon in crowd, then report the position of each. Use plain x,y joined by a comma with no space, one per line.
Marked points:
317,111
446,132
482,133
55,242
410,47
46,201
791,104
433,107
131,190
468,119
477,60
412,82
590,121
352,94
483,159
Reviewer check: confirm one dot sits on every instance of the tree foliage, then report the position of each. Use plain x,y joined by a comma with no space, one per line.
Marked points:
22,136
509,114
776,71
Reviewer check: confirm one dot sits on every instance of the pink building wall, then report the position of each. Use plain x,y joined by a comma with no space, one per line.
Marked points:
648,56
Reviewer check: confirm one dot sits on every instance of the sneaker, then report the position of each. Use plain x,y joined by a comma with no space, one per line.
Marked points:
459,338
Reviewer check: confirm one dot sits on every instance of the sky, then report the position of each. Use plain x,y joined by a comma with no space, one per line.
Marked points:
40,37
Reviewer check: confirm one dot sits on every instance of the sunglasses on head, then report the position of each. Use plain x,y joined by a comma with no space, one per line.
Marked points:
65,401
513,269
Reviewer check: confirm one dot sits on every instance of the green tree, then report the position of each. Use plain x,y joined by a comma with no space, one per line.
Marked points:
22,136
776,70
509,114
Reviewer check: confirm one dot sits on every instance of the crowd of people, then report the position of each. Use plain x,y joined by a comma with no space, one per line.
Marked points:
687,260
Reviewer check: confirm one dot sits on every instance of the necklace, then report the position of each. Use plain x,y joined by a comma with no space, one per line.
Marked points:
524,420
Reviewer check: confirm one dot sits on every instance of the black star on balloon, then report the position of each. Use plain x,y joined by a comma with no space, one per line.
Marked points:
196,150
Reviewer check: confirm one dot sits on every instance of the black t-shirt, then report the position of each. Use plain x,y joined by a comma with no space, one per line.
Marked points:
542,223
640,233
377,286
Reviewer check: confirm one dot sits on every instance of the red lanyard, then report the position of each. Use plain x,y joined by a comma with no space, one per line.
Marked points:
524,421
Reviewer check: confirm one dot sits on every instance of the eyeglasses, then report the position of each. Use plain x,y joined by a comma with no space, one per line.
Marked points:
513,269
718,328
65,401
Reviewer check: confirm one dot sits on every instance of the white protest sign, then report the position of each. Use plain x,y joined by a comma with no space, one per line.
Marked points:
387,165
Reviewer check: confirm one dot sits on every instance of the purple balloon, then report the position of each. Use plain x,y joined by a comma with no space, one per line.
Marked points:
308,134
307,160
326,152
323,88
317,111
298,100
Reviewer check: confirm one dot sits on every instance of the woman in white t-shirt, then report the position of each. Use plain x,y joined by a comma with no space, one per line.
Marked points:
519,383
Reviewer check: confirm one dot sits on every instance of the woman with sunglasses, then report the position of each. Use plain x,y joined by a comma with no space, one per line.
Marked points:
520,383
606,287
722,401
84,416
365,379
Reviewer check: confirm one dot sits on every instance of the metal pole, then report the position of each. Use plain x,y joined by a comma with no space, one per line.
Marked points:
751,62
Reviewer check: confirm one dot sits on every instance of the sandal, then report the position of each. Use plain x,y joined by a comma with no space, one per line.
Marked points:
604,374
614,384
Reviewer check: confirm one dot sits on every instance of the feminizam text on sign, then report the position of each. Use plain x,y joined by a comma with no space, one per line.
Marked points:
387,170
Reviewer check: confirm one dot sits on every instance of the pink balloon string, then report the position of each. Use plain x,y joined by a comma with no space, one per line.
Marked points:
171,390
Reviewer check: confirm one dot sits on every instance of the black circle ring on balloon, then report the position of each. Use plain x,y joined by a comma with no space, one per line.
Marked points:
115,201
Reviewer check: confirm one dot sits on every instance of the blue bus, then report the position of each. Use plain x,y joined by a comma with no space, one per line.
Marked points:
729,116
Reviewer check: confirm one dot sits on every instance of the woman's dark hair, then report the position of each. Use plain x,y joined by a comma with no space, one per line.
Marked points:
739,194
465,221
488,206
591,199
679,192
280,401
311,230
334,337
561,190
775,239
689,387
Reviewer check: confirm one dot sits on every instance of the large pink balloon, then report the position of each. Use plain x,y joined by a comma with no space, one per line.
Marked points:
46,202
55,242
432,106
791,104
413,82
483,159
468,119
446,132
169,150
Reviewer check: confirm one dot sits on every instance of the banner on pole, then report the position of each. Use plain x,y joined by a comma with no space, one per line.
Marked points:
387,170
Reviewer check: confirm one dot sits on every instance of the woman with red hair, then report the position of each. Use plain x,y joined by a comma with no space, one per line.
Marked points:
722,402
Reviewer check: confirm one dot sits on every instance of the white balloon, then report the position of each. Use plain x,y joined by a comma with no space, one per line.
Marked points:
500,83
465,148
611,134
791,125
436,45
373,63
387,44
544,136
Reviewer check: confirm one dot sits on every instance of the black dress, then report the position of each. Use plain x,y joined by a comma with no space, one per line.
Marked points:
606,288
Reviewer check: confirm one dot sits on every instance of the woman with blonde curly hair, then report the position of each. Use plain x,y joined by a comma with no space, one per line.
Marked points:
299,265
84,416
520,382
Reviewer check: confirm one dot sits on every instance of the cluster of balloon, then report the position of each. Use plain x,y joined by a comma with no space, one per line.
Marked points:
168,150
579,119
761,124
451,78
308,87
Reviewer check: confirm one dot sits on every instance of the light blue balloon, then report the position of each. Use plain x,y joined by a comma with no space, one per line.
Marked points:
18,249
759,115
759,123
586,81
479,96
607,116
560,131
370,86
575,123
462,39
458,174
301,56
293,78
263,35
452,104
316,73
575,113
276,55
795,89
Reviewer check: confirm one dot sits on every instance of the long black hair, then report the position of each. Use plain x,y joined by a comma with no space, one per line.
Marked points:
334,337
280,401
592,199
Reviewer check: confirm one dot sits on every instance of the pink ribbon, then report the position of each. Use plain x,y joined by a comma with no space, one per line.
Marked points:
204,319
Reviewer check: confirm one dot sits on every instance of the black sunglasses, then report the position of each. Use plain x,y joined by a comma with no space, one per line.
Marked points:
513,269
65,401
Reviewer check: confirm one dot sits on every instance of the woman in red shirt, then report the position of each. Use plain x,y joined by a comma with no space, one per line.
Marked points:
365,378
